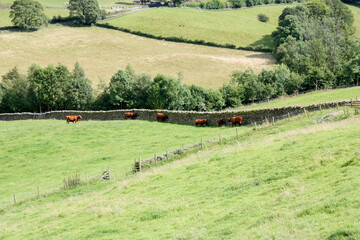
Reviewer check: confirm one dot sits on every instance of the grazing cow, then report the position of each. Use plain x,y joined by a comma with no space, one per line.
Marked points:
73,119
161,117
235,120
130,115
201,122
221,122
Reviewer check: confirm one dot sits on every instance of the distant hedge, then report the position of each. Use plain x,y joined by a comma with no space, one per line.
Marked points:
182,40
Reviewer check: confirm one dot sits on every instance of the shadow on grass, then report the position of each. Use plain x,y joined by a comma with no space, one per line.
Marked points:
125,3
267,41
16,29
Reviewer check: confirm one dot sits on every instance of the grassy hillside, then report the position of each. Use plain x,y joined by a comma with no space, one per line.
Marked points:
297,180
355,9
310,98
5,21
42,153
238,27
102,52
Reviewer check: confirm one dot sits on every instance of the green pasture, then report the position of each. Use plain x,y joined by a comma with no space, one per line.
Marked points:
238,27
314,97
5,20
295,180
41,153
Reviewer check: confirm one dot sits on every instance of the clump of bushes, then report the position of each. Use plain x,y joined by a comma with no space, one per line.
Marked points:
263,18
235,3
213,4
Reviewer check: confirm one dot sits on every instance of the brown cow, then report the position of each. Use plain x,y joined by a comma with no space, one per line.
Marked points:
73,119
201,122
161,117
235,120
130,115
221,122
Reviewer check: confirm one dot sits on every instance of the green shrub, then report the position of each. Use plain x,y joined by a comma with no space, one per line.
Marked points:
235,3
213,4
263,18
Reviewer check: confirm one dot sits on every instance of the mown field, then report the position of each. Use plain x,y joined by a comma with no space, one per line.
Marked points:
314,97
102,52
42,153
296,180
238,27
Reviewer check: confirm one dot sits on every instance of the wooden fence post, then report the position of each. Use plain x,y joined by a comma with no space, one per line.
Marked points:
288,115
109,173
273,120
14,199
255,126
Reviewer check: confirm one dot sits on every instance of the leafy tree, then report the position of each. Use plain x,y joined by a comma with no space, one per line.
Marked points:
81,90
27,14
50,87
120,89
86,12
15,89
317,8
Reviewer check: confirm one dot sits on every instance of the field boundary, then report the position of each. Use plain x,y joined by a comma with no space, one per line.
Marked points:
183,40
178,117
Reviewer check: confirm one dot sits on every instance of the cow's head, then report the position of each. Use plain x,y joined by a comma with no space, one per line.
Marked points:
79,117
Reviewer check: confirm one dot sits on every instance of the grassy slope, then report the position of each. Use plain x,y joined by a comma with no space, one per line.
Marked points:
102,52
355,9
294,181
311,98
238,27
41,153
5,21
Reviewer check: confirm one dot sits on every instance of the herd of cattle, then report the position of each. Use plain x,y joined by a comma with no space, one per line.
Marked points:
162,117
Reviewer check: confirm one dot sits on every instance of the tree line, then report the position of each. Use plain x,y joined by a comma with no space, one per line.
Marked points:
58,88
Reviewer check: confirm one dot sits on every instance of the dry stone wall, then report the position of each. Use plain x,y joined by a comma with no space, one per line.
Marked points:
180,117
